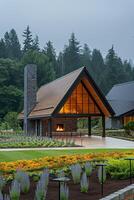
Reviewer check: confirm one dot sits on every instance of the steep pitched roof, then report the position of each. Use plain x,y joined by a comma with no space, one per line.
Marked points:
121,98
50,95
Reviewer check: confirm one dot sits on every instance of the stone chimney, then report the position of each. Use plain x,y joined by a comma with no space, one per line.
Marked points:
30,89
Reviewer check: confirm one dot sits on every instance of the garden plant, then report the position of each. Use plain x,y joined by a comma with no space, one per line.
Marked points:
79,168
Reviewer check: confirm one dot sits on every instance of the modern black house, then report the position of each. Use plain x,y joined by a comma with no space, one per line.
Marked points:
121,99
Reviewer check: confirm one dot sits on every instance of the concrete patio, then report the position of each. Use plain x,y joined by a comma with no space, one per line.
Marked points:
97,142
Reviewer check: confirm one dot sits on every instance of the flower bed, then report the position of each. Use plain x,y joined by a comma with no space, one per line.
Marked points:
86,176
61,161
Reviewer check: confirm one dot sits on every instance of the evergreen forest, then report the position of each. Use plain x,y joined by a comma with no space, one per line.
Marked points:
106,71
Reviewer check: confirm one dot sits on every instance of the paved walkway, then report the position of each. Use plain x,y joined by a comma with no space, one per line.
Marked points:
93,142
96,142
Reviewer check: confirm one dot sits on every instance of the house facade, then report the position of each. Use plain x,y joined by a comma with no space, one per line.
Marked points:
56,106
121,99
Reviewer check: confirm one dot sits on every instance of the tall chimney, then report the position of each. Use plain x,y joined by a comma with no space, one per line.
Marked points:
30,89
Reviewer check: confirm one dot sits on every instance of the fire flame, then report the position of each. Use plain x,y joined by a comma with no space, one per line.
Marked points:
59,127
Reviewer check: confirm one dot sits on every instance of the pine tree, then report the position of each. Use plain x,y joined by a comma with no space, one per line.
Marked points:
27,40
7,45
98,68
114,70
35,43
86,57
128,70
15,48
71,55
12,45
2,49
60,65
97,64
49,51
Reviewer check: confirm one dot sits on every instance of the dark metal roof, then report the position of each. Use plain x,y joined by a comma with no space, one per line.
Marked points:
121,98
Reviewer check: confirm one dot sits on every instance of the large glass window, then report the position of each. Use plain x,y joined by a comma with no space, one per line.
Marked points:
80,102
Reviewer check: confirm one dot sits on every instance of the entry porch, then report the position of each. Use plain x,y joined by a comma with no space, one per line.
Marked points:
63,126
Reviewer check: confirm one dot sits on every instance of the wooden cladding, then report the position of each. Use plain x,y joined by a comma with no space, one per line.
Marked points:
80,102
96,97
128,119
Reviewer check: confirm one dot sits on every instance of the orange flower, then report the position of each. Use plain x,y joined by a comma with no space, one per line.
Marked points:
60,161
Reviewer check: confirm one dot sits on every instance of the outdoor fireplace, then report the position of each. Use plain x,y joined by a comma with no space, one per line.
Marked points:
60,127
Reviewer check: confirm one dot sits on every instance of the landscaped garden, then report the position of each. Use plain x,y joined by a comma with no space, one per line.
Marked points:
19,140
33,179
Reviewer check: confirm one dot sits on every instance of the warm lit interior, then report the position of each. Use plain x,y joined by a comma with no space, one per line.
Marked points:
60,127
128,119
80,102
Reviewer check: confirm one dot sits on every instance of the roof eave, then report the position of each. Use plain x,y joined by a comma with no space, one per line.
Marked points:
126,113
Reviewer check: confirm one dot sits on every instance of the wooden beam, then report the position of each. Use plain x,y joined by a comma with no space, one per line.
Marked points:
89,126
75,115
103,127
50,127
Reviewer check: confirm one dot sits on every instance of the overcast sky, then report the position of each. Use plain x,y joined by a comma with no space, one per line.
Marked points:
99,23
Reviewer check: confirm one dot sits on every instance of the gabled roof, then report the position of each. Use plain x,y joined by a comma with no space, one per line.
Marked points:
51,96
121,98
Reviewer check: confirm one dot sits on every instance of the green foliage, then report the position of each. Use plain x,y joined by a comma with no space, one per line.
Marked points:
27,40
23,180
4,126
119,169
15,190
11,99
10,92
82,123
84,183
71,55
46,71
76,173
88,168
12,45
64,192
35,44
2,49
14,140
2,183
11,119
129,126
97,67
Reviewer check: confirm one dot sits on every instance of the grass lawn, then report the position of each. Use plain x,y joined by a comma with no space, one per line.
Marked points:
32,154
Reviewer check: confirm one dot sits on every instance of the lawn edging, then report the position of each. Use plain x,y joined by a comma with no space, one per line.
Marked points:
125,193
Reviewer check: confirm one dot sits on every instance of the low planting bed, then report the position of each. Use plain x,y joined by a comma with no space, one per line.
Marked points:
13,140
94,192
85,176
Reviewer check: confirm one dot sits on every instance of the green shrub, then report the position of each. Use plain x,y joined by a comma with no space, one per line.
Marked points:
129,126
119,169
11,119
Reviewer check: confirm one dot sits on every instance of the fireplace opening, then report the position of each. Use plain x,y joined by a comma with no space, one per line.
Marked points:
60,127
